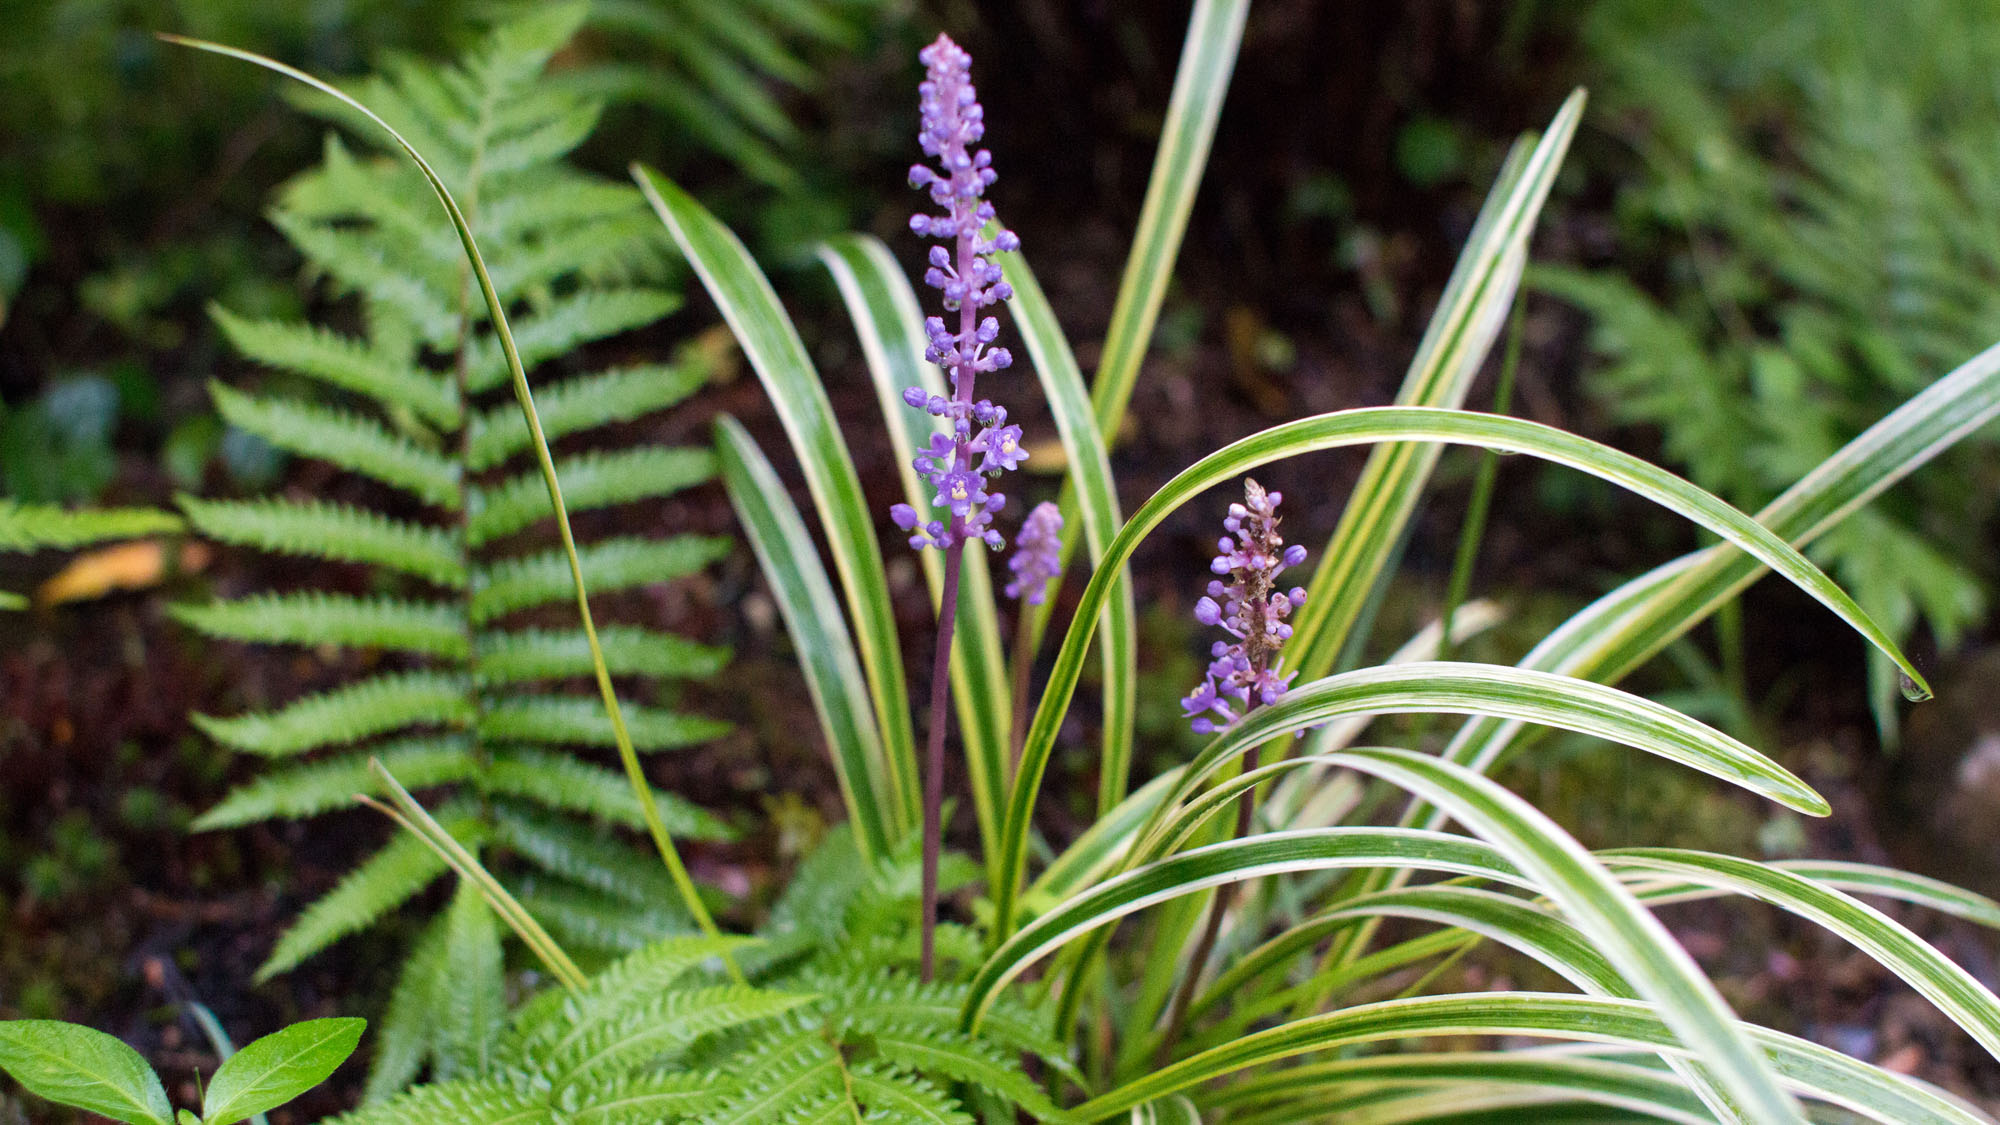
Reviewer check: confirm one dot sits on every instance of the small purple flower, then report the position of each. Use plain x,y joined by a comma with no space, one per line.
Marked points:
979,443
1037,554
1246,603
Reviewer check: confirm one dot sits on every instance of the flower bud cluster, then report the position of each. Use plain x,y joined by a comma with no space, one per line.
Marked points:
1037,554
979,444
1244,600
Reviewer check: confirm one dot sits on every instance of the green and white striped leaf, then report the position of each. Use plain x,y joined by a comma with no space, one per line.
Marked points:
1097,497
825,650
1810,1069
1367,426
1455,346
775,352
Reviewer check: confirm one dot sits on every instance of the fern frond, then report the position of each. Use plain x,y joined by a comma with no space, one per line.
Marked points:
614,564
891,1095
343,362
559,781
347,714
598,250
589,480
489,1102
800,1071
305,790
472,1001
962,1058
649,1099
385,881
658,1026
550,133
549,654
625,986
347,440
319,529
585,919
568,850
31,527
581,721
392,196
567,323
313,618
581,404
403,1035
385,272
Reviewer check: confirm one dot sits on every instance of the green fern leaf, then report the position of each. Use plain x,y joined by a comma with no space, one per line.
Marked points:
385,881
549,137
559,781
582,721
343,362
616,247
472,1000
581,404
316,787
628,985
546,654
591,859
313,618
889,1095
319,529
348,714
568,322
614,564
651,1098
581,918
31,527
391,196
347,440
963,1059
386,272
403,1036
490,1102
802,1070
591,480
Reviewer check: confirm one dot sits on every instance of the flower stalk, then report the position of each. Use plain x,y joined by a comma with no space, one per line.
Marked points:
1243,600
978,443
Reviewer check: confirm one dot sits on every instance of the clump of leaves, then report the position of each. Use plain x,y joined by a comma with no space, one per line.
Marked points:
468,691
1818,178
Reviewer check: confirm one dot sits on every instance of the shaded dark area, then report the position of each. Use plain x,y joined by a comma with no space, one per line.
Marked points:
1352,156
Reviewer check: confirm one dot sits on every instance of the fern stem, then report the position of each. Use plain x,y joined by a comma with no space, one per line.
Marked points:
954,559
648,807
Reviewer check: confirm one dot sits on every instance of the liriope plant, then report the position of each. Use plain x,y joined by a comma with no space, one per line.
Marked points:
1287,1021
471,692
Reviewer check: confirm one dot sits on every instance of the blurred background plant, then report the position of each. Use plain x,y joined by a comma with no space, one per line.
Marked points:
1807,232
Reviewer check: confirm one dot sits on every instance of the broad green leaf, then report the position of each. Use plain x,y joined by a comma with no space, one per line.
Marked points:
889,323
1367,426
820,639
773,347
79,1066
1097,495
273,1070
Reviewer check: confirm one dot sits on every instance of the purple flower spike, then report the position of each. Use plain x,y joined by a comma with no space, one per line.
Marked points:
1037,554
979,443
1247,603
